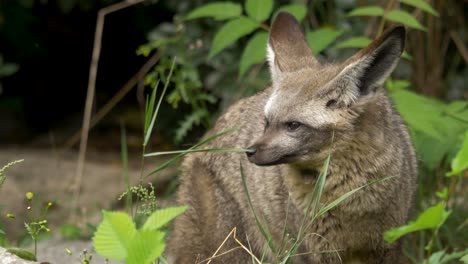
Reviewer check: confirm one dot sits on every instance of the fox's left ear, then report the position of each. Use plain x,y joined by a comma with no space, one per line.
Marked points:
368,69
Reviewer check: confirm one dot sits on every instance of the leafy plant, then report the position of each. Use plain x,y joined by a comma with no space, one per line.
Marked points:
37,223
2,181
435,216
117,238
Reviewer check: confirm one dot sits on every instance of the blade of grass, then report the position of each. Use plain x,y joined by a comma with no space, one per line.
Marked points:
156,111
199,144
283,242
259,225
149,108
195,150
124,158
346,195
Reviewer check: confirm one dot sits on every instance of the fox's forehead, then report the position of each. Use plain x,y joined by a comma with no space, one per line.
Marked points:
299,89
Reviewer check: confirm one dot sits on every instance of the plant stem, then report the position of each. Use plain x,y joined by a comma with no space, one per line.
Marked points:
382,22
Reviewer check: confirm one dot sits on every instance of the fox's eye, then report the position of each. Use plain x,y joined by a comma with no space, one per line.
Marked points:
331,103
293,126
267,123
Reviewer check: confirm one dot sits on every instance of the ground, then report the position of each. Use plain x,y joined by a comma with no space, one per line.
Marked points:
50,174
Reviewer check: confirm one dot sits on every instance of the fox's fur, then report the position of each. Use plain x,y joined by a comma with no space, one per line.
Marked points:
311,110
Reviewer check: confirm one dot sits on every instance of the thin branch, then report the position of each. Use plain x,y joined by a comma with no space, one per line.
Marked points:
76,186
460,45
105,109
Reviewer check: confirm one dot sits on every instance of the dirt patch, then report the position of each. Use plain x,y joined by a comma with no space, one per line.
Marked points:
51,176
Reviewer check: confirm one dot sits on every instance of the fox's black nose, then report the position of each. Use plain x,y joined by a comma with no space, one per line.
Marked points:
250,152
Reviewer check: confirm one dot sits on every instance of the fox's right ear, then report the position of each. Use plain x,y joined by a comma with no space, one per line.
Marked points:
287,49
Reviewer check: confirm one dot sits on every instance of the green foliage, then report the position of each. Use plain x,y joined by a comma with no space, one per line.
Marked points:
231,32
432,218
24,254
259,10
118,239
437,127
218,11
322,38
405,18
460,162
367,11
254,52
297,10
421,4
162,217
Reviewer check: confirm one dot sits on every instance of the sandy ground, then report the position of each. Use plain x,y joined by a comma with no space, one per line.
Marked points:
51,176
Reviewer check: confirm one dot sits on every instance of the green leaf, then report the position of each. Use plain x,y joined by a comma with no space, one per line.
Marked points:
254,52
145,247
406,55
161,217
421,4
443,194
367,11
404,18
297,10
24,254
354,42
114,235
441,257
394,85
431,218
321,38
217,10
231,32
259,10
464,259
419,112
460,162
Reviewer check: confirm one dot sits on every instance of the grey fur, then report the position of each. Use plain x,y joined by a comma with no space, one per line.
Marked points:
343,101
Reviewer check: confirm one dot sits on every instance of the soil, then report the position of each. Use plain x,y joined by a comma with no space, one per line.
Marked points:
50,175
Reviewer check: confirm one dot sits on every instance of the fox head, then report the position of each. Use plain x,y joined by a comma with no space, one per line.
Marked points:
313,104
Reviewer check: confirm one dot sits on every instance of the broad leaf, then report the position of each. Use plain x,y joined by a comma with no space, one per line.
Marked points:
464,259
321,38
404,18
217,10
231,32
431,218
259,10
354,42
254,52
441,257
297,10
113,235
419,111
146,246
367,11
421,4
162,217
460,162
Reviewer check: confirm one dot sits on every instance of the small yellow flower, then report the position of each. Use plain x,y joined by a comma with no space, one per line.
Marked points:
29,196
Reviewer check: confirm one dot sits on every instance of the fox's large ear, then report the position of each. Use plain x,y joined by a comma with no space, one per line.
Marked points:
287,49
368,69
